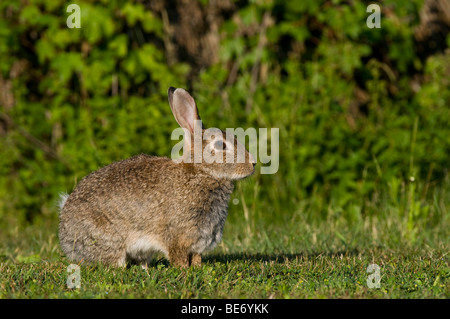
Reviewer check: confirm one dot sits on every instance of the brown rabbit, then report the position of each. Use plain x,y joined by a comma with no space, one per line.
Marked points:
128,210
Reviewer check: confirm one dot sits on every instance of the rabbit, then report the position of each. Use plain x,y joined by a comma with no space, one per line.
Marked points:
129,210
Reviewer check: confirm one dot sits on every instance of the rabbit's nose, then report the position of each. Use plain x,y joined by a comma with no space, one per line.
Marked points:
251,159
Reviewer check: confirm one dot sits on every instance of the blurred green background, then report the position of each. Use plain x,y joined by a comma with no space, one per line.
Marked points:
363,113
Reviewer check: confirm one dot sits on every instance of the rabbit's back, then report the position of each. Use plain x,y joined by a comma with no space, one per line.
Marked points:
118,191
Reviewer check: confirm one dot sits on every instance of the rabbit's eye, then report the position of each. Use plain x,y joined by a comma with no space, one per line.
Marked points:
220,145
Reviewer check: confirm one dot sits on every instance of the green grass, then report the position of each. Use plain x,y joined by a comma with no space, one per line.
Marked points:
290,254
334,275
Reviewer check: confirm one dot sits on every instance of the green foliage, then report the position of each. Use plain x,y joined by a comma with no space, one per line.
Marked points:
93,95
83,98
330,146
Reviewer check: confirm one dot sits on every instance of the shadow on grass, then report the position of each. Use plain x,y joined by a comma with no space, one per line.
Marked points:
277,258
225,258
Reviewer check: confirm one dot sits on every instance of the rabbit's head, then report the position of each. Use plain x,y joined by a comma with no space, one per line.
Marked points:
212,150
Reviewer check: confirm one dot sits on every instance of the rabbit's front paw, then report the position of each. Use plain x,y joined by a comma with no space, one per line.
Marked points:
196,260
179,257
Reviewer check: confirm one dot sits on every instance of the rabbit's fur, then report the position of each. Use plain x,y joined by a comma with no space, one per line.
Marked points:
131,209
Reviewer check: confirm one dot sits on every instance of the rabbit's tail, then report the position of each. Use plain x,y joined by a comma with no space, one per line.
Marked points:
62,200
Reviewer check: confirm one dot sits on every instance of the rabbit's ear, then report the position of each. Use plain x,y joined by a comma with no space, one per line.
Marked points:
183,108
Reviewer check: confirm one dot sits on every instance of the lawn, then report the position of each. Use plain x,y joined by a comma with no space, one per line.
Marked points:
295,256
410,274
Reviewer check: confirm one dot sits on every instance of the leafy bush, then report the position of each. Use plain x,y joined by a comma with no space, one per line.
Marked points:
357,108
